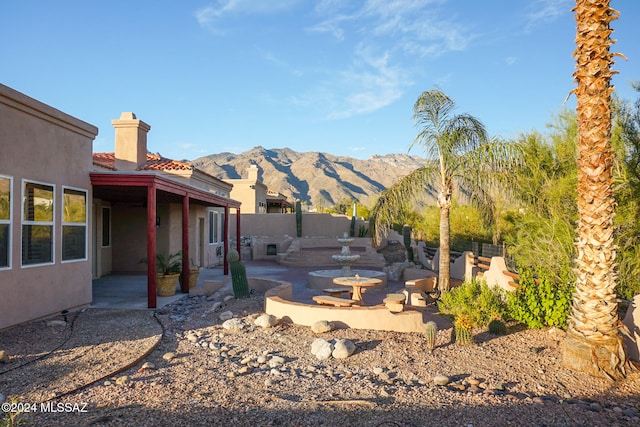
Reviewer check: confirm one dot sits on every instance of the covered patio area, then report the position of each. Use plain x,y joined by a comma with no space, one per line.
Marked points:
152,209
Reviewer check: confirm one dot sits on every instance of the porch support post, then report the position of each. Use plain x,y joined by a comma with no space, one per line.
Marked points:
151,246
238,233
225,239
184,284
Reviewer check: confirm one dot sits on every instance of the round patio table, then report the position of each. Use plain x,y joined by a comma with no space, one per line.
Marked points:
357,283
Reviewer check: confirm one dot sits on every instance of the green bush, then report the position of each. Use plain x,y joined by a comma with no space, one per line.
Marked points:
475,301
545,303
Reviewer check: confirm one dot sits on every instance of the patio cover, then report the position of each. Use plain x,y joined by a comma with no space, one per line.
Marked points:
152,188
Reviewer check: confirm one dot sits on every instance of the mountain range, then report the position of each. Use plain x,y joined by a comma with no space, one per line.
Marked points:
320,179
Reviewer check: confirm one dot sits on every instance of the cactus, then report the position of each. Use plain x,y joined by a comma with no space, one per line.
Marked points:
298,218
431,332
497,327
406,235
462,328
238,275
352,227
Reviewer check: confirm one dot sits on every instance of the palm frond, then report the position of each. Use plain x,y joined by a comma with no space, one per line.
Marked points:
392,200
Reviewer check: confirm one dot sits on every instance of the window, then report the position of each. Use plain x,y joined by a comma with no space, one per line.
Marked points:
106,227
216,219
74,225
37,223
5,221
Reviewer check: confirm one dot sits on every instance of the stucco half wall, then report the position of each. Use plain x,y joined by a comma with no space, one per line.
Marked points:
278,302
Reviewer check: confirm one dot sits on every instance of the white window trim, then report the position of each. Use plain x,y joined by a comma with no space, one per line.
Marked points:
9,222
218,223
76,224
52,224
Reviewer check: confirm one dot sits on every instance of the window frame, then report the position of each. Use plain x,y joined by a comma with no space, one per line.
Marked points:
9,223
216,229
84,224
50,224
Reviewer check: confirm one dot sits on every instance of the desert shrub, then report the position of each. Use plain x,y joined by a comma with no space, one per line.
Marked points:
541,302
475,301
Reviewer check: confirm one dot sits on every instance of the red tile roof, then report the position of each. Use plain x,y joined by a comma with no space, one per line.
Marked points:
154,162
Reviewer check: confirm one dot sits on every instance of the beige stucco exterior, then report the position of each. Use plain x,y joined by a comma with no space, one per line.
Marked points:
38,145
251,191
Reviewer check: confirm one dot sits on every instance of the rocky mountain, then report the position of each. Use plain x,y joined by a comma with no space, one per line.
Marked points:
320,179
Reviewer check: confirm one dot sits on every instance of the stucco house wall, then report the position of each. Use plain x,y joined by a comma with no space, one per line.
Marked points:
38,145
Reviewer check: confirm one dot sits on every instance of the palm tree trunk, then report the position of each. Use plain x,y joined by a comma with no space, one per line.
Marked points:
444,275
593,344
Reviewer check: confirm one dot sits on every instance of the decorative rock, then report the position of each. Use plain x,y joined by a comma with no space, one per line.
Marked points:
123,380
377,370
225,315
441,380
266,321
321,349
276,361
169,356
147,365
233,325
322,326
343,349
228,298
4,357
262,359
472,381
56,323
107,383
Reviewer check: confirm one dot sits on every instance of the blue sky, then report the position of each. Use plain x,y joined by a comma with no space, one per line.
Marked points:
334,76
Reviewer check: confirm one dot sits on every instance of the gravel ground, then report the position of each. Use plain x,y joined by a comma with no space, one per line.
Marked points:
203,374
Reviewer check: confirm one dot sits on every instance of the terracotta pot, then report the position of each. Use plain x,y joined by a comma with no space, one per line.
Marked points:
166,284
193,278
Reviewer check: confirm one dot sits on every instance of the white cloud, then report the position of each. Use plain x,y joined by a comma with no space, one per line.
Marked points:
417,26
279,63
545,11
211,15
369,84
510,60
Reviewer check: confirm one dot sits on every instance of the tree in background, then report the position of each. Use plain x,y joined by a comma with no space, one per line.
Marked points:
626,139
460,156
593,343
542,225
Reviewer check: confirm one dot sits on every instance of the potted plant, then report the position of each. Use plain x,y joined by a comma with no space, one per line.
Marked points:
168,269
194,274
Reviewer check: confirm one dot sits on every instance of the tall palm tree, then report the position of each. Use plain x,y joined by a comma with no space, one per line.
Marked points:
593,343
460,156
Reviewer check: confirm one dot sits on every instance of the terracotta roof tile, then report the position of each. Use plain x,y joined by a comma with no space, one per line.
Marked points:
154,162
157,162
105,160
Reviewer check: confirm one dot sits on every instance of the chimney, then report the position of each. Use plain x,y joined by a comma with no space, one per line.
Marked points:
131,142
252,173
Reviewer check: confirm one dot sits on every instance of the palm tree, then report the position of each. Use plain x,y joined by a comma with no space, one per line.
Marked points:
460,157
593,343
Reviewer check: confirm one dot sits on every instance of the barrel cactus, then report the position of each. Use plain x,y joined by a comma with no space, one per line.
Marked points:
497,327
462,327
238,275
431,333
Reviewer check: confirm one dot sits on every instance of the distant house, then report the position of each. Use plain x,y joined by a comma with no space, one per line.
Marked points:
254,195
68,215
